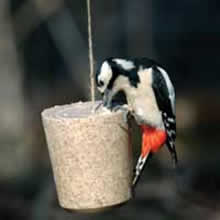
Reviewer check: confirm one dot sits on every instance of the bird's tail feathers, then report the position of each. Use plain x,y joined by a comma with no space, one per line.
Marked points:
139,167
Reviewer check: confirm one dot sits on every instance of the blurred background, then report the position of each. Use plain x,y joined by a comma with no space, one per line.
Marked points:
44,61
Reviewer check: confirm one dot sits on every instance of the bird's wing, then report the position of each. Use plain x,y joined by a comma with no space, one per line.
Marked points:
165,97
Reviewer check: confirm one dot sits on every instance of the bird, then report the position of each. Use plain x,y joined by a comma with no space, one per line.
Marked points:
150,97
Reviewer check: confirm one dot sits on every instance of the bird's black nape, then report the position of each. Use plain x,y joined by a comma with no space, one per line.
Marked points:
117,70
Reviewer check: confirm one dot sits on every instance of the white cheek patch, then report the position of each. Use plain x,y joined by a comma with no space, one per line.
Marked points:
125,64
105,70
105,75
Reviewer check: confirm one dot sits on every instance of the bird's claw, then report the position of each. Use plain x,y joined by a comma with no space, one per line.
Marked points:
97,107
126,111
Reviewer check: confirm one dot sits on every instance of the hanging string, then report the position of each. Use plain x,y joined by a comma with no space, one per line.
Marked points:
91,58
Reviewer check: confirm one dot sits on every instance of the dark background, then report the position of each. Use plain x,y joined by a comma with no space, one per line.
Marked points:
44,61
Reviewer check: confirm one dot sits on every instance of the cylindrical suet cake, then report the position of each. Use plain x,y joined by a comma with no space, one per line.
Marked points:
91,155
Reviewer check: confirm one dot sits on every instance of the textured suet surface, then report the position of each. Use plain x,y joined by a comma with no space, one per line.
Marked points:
90,154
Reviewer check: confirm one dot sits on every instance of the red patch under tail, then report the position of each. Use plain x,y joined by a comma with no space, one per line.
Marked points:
152,139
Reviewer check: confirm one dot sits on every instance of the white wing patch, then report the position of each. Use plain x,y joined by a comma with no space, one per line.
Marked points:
170,88
125,64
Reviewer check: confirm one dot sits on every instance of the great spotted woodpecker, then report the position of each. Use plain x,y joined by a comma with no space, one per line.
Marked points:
150,99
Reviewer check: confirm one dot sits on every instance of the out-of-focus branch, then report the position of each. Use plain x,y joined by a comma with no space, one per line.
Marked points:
31,14
12,117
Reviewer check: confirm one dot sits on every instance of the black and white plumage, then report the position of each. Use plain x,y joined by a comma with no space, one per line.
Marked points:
165,97
149,92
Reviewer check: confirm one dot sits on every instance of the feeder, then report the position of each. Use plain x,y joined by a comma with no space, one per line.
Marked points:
91,155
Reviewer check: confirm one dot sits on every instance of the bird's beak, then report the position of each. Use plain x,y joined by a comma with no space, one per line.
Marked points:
107,98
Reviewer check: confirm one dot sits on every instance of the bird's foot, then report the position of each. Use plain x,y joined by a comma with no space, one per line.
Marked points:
102,104
127,112
97,107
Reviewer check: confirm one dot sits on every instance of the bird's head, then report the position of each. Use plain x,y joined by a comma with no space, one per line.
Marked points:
103,77
110,70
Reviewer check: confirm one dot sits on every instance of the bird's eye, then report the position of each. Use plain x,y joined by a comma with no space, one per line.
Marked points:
101,83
